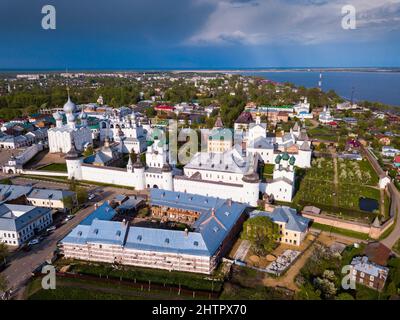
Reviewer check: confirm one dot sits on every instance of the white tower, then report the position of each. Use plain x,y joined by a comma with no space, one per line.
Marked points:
251,188
167,177
138,170
73,160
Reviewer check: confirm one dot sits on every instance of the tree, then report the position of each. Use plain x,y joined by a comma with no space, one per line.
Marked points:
81,195
3,253
3,283
262,233
72,184
68,202
150,112
344,296
133,156
88,151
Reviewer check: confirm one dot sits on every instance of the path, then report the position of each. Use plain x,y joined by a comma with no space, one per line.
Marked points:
288,279
390,240
335,179
242,251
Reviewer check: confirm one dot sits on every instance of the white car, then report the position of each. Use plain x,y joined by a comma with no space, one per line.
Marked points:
33,242
69,217
52,228
91,196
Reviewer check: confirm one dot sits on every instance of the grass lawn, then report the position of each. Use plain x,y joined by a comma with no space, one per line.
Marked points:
187,280
323,133
344,232
396,247
56,167
79,289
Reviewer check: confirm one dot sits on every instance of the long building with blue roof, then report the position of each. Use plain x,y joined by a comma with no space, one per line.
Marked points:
212,224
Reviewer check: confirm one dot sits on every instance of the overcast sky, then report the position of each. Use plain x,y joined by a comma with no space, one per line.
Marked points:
198,34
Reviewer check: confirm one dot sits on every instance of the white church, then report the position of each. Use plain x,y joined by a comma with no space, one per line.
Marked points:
228,175
296,143
62,136
126,130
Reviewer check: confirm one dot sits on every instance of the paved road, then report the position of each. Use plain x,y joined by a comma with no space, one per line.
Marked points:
23,263
395,197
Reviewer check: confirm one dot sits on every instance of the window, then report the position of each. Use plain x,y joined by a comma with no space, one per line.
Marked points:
371,278
362,274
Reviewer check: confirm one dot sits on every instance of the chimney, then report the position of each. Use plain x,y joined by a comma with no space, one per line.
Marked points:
186,232
96,205
229,202
213,211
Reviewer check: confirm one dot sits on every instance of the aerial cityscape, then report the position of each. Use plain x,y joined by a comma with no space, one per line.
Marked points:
199,181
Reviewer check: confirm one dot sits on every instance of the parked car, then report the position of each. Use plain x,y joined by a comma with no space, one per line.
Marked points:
91,196
33,242
68,217
52,228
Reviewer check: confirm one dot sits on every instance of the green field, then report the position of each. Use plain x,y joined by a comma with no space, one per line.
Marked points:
357,172
316,186
163,277
56,167
344,232
78,289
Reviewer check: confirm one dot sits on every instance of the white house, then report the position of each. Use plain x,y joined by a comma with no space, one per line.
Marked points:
19,223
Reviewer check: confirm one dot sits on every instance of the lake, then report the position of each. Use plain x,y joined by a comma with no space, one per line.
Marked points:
372,86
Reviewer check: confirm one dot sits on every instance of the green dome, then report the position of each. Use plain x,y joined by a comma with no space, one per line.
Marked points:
278,159
285,156
292,160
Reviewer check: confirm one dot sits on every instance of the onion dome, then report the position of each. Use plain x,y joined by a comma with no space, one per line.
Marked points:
285,156
278,159
292,160
166,168
251,178
69,106
138,164
57,116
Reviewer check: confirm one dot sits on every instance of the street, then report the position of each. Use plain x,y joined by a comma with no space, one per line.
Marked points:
22,263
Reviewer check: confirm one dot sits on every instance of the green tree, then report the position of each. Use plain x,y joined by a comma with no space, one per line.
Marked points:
68,202
3,283
262,233
88,151
150,112
3,253
133,156
81,195
72,184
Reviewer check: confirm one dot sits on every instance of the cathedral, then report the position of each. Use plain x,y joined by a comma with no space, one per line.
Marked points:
62,136
125,130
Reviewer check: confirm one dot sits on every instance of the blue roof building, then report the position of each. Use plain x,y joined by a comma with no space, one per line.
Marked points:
195,250
19,223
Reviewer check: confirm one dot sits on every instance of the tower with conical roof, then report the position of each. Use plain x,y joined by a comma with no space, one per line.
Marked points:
73,159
